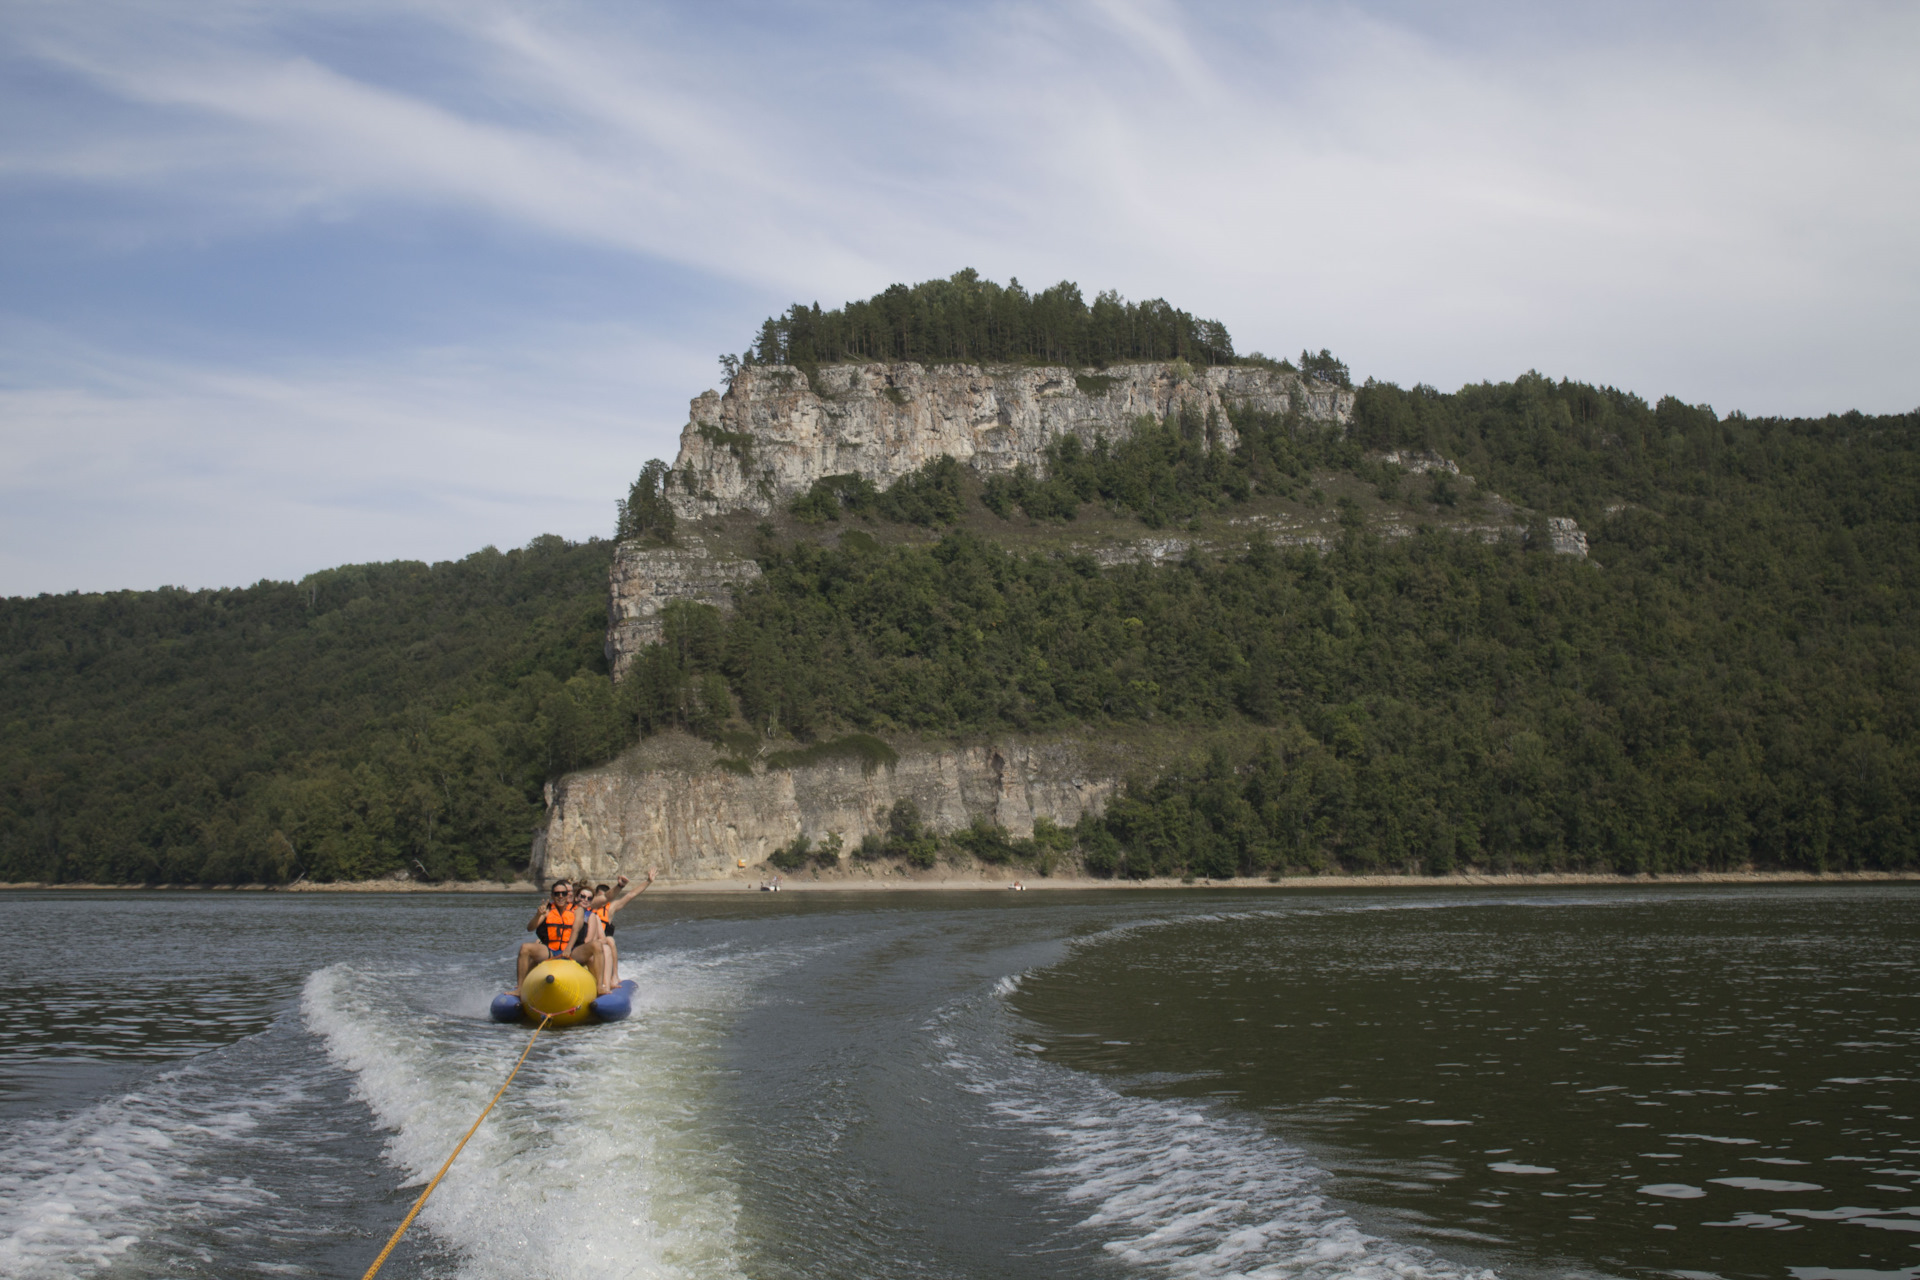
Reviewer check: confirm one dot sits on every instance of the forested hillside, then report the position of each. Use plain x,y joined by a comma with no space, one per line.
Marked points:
372,719
1731,679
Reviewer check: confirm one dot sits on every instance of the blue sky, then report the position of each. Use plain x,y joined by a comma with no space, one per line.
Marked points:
290,285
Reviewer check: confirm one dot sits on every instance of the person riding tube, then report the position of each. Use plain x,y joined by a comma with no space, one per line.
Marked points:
604,907
588,942
557,924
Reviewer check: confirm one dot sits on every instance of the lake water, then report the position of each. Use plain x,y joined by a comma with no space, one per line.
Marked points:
1618,1082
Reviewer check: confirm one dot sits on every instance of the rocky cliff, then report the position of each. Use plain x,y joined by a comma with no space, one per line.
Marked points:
666,804
774,433
645,579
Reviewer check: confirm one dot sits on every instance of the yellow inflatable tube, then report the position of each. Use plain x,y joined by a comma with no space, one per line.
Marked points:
565,990
562,988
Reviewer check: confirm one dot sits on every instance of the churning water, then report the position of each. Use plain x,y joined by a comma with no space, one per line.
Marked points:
1410,1084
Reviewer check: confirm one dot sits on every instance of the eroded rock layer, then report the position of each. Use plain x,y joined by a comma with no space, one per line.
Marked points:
696,821
773,433
645,579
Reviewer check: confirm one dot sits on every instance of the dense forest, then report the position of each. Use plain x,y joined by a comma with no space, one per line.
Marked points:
374,719
968,318
1732,679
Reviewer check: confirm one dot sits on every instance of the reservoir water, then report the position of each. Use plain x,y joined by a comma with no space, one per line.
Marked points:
1684,1082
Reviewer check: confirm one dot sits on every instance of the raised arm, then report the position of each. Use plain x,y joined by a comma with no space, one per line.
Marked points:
632,893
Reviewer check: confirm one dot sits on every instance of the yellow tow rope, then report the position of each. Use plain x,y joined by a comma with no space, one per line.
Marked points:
414,1212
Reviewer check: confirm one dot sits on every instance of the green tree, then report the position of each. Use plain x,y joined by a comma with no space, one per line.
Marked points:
646,510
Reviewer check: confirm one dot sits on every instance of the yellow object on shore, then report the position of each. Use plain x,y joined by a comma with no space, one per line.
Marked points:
559,989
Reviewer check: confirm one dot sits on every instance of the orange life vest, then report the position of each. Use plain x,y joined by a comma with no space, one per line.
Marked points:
601,911
557,927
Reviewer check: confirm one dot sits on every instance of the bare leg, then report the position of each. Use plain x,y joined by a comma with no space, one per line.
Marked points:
588,954
611,950
531,954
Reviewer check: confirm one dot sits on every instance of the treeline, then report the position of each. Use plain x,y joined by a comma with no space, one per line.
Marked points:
966,318
372,720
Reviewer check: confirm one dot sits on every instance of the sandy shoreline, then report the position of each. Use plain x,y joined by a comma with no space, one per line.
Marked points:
973,883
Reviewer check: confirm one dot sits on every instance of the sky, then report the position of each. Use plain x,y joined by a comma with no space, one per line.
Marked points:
289,285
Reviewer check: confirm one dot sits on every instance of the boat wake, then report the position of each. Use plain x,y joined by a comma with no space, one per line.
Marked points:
190,1174
1177,1188
594,1164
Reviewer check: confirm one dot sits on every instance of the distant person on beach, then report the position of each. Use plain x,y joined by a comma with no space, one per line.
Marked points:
604,907
556,923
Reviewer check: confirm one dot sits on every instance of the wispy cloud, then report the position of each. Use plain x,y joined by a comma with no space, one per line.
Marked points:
117,469
1706,200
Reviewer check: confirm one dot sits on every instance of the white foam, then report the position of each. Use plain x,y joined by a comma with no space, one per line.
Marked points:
1196,1193
77,1194
594,1163
1188,1189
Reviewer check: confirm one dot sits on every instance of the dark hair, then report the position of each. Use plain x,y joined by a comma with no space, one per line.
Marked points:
603,888
557,884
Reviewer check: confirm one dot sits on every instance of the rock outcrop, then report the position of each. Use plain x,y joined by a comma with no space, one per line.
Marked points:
1418,462
645,579
669,807
1566,537
773,433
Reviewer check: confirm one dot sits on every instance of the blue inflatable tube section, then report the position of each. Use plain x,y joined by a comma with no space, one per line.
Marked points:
615,1006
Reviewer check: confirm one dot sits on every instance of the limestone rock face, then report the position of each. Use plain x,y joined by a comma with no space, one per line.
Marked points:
697,822
1567,537
771,435
645,579
1420,461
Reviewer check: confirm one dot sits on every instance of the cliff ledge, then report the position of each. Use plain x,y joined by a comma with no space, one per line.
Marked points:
774,432
667,804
